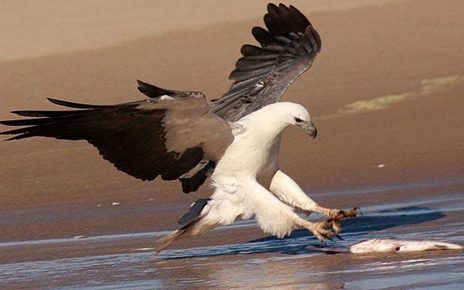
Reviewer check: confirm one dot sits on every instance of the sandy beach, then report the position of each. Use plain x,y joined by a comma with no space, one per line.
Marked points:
386,95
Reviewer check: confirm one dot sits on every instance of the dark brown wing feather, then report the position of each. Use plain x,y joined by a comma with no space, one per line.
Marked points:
287,49
135,136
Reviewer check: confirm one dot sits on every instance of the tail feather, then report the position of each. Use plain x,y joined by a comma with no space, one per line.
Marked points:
164,242
191,224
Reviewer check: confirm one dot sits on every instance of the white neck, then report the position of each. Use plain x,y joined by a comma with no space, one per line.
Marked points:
254,143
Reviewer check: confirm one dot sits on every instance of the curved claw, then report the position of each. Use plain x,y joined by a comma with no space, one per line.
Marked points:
354,212
323,230
351,213
324,237
331,228
336,225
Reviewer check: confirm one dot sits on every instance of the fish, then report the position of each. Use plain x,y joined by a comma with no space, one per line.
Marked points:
391,245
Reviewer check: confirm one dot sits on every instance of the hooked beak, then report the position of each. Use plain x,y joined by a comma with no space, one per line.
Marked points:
310,129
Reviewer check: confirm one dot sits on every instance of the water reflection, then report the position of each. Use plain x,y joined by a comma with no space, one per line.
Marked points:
296,262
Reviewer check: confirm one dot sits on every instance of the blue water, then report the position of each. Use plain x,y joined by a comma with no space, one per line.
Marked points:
296,262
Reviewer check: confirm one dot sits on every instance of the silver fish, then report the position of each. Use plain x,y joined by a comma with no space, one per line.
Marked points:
390,245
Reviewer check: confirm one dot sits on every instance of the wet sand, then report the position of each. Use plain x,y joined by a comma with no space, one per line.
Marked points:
386,95
429,210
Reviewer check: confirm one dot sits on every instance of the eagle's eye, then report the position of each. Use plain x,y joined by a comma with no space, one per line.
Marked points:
298,120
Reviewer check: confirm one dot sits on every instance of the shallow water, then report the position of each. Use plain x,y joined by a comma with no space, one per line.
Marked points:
296,262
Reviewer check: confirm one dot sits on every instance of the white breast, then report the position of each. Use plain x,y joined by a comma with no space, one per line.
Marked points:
249,153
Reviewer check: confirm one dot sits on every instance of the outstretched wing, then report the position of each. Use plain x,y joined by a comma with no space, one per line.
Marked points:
166,136
288,48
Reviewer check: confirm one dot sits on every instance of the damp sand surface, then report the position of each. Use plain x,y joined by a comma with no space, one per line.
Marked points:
431,210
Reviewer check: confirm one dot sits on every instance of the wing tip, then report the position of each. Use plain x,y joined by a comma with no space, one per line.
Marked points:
74,105
271,6
15,137
153,91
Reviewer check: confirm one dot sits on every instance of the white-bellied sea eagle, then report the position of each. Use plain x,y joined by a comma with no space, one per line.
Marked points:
234,140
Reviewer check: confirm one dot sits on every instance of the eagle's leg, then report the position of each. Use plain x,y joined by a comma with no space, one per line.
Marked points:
288,191
279,219
337,214
322,230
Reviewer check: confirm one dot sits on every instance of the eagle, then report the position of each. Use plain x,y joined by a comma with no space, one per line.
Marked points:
232,141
